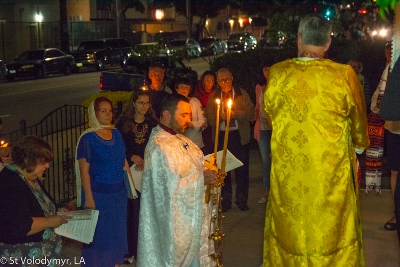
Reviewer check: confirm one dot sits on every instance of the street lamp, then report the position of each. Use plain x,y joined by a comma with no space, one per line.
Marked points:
159,14
39,19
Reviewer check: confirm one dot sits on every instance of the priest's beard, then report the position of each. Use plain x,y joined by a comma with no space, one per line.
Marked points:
177,127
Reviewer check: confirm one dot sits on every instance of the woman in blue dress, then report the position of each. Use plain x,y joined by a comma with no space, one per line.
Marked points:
101,171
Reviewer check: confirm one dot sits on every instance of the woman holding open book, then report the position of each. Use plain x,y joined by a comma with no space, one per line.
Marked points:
27,212
100,173
135,123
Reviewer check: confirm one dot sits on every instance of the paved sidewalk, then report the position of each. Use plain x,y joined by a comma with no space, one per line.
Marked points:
243,243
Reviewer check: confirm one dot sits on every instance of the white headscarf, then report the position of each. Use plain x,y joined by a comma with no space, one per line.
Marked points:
94,125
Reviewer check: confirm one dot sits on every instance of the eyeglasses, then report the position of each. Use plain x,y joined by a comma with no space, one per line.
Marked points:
226,80
141,103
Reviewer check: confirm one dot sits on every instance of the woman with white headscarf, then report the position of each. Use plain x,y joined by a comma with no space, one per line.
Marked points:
100,172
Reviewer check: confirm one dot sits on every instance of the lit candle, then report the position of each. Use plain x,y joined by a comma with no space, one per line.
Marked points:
216,130
224,151
3,144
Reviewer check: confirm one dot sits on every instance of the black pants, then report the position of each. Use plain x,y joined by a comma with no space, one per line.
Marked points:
132,225
241,174
397,205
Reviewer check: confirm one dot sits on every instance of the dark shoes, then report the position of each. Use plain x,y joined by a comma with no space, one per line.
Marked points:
390,226
226,207
243,207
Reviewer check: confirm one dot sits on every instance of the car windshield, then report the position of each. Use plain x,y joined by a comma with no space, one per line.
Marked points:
235,36
206,41
91,45
177,43
32,55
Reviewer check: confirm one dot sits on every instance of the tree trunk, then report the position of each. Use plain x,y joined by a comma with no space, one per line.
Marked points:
64,36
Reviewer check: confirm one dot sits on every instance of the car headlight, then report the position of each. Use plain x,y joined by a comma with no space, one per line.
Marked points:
90,56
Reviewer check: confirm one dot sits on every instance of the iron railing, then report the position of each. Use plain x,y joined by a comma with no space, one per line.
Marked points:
61,128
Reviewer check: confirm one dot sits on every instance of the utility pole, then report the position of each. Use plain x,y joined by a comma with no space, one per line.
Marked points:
189,25
117,17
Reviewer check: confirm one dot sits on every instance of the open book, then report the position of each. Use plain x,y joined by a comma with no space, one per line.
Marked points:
81,226
231,161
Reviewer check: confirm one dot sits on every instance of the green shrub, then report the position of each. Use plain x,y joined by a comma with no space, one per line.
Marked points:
246,67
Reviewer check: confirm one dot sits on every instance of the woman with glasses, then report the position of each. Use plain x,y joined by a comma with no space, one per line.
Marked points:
135,123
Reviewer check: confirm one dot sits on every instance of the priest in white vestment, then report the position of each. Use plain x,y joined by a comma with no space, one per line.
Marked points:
174,221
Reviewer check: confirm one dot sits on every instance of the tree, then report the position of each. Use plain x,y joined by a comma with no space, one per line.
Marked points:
123,6
201,8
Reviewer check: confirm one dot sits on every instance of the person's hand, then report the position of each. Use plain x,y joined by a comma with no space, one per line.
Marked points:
375,110
57,220
139,163
209,176
90,204
6,160
62,209
223,116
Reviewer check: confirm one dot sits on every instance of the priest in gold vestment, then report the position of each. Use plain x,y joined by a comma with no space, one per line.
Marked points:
317,111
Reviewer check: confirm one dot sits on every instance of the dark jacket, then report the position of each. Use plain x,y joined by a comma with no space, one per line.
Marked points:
242,107
389,108
17,207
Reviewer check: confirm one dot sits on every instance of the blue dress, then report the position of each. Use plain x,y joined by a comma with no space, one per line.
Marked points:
106,159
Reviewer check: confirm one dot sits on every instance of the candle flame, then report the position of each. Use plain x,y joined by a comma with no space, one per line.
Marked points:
3,144
218,101
230,103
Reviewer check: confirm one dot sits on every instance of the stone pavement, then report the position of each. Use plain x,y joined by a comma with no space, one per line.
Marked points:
243,244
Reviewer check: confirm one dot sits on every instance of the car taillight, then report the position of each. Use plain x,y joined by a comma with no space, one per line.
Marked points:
101,81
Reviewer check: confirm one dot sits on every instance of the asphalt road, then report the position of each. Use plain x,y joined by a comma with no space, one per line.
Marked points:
32,99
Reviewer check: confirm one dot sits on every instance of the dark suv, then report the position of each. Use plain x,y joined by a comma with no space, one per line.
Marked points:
102,52
175,69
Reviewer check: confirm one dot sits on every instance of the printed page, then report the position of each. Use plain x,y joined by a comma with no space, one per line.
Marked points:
231,161
137,178
77,215
81,230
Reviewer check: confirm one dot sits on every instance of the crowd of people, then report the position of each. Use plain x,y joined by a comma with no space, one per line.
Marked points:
308,136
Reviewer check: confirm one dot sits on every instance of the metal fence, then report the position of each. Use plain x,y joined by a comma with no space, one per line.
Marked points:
61,128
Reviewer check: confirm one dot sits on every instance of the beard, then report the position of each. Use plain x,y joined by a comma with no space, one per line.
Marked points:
178,128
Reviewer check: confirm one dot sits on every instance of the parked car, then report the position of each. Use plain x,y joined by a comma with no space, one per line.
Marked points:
137,67
40,62
213,46
113,81
151,49
241,42
100,53
269,39
185,48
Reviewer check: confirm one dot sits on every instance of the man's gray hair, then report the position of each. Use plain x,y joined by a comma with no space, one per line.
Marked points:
315,30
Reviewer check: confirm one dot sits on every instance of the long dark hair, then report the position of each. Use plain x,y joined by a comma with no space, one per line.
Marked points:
126,120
